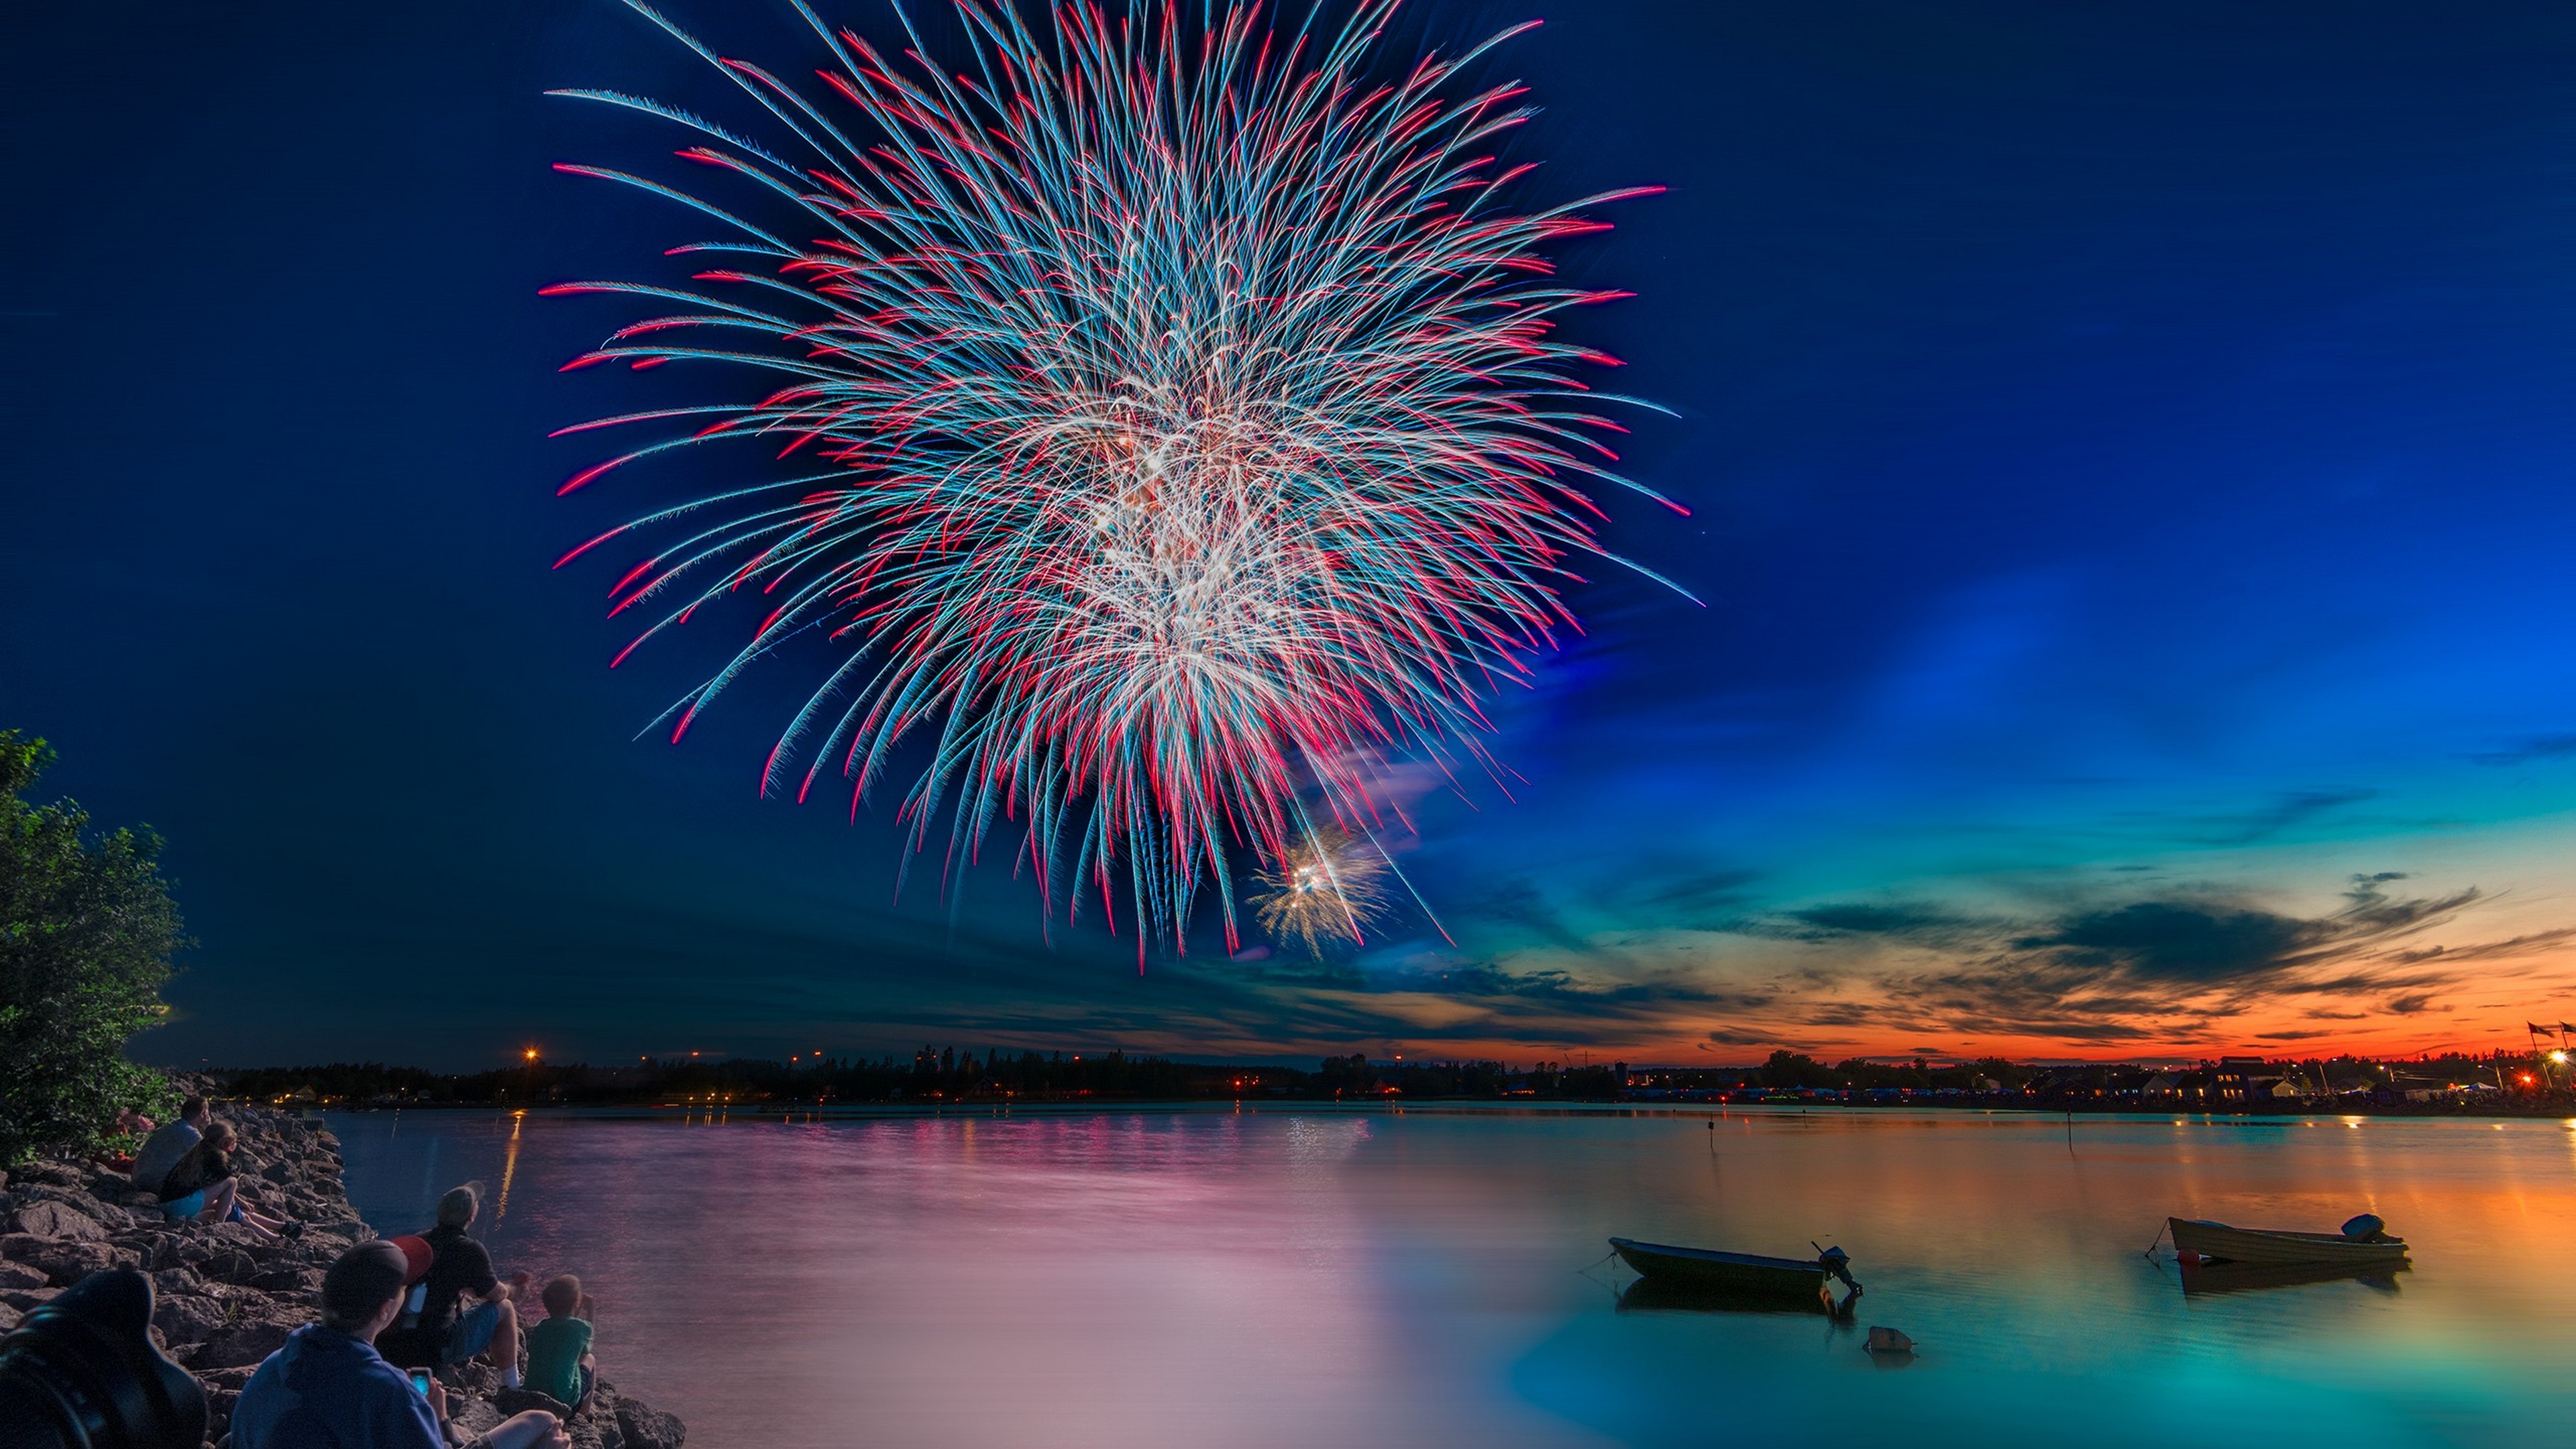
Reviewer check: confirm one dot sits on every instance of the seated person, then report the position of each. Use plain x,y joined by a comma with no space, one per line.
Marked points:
559,1358
201,1186
329,1389
403,1345
162,1150
130,1130
468,1307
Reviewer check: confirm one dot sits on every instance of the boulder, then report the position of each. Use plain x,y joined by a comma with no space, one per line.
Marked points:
26,1299
21,1275
472,1416
67,1261
8,1317
47,1219
644,1428
188,1317
519,1401
231,1266
293,1282
241,1345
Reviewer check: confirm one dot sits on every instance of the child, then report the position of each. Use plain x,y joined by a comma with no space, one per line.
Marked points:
559,1359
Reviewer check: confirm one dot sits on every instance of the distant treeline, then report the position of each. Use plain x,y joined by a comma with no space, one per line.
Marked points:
951,1074
943,1074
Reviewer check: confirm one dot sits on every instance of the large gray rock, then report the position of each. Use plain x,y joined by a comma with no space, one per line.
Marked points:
472,1416
519,1401
645,1428
188,1317
21,1275
47,1219
242,1344
69,1260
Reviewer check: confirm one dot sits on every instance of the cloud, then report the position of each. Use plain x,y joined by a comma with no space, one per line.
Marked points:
2292,808
2410,1003
1912,922
2488,950
2121,970
2529,751
1689,897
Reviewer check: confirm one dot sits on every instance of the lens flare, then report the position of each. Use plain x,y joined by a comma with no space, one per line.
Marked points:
1191,436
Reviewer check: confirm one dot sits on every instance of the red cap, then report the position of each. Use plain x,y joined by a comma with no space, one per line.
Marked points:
416,1258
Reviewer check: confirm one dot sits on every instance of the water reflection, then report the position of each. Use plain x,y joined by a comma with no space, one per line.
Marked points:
2200,1278
1655,1295
1294,1277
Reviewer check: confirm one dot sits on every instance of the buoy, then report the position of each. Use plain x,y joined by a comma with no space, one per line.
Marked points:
2188,1258
1889,1340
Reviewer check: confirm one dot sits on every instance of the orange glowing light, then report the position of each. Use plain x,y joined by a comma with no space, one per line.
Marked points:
531,1054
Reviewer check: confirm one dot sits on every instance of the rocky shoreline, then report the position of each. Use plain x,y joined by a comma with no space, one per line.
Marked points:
223,1299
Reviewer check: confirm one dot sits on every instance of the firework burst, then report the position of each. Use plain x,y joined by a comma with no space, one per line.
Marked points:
1325,892
1191,435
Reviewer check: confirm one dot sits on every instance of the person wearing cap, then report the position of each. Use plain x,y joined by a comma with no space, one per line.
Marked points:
467,1310
404,1344
329,1387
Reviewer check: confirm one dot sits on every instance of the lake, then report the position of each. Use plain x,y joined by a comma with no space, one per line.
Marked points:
1304,1277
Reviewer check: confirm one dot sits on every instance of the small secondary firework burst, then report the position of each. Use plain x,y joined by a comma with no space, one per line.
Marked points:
1192,437
1326,891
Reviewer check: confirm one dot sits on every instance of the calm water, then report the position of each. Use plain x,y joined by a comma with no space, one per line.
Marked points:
1303,1279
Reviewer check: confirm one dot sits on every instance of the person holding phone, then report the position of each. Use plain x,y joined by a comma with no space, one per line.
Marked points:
329,1387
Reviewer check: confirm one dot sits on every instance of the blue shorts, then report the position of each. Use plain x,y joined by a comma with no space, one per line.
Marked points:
473,1331
181,1209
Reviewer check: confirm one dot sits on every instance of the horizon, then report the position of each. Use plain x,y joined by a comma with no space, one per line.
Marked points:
2126,454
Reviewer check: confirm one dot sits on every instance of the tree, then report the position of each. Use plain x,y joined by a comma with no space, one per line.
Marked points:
87,928
1797,1069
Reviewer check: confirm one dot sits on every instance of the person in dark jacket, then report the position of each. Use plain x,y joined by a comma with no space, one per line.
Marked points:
468,1307
329,1389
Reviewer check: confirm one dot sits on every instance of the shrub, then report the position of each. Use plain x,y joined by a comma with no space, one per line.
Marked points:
87,928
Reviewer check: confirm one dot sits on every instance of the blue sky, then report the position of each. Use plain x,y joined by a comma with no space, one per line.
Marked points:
2127,448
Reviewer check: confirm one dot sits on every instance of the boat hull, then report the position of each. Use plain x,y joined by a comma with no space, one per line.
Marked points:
1732,1273
2225,1244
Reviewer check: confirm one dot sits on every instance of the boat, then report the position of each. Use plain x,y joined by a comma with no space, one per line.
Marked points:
2220,1243
2205,1278
1739,1273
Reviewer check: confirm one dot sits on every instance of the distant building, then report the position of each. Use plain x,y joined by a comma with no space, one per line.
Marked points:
2233,1080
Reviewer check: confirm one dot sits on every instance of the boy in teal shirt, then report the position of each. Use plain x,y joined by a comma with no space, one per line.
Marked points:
559,1360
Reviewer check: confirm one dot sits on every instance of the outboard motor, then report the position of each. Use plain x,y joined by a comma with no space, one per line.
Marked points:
1837,1264
2367,1228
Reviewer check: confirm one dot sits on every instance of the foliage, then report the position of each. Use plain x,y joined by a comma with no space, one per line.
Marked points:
1797,1069
87,928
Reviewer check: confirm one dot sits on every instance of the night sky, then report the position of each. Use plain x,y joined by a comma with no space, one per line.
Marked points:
2129,452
